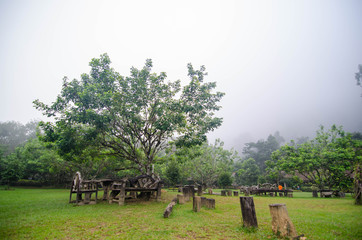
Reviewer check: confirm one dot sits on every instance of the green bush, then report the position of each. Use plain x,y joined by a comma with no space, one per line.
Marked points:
28,183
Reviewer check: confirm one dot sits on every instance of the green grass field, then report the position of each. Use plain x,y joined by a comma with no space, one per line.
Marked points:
46,214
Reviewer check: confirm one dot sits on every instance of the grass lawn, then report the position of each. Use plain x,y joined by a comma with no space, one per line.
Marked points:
46,214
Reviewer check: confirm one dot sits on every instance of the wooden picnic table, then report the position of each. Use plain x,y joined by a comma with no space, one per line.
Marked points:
262,191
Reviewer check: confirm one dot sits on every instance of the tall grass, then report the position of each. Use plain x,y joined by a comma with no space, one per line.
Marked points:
46,214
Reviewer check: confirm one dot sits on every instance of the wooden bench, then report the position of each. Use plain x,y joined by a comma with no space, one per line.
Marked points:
326,194
86,187
120,189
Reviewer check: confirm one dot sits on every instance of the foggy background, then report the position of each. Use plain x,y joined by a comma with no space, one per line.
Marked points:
285,66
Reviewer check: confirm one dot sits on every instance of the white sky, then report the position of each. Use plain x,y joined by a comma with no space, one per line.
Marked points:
284,65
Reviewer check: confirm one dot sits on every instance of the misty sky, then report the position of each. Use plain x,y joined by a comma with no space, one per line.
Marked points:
285,66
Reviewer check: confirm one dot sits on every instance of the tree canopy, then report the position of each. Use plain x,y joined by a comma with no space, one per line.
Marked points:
327,161
261,150
248,173
12,134
132,118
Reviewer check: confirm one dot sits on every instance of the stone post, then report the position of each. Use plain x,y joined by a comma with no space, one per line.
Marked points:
281,223
199,190
248,212
210,203
196,204
181,199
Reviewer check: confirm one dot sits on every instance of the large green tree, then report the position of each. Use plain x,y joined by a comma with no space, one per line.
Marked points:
132,118
327,161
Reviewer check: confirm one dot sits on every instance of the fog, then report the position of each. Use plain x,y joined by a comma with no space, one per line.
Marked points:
285,66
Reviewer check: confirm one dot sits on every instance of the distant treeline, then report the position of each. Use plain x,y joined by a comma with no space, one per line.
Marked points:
328,161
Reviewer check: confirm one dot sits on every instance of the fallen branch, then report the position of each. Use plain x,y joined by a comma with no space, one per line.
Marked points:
169,207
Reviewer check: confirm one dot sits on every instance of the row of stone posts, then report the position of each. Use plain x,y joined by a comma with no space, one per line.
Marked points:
229,193
188,192
199,202
281,223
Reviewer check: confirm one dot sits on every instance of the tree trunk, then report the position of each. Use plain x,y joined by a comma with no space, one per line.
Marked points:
248,212
358,185
281,223
315,193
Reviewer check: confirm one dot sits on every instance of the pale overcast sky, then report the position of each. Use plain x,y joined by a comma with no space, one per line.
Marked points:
285,66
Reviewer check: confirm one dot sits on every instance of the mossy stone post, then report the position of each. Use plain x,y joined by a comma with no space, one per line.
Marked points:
181,199
185,191
199,190
223,192
122,196
210,191
248,212
230,193
158,193
210,203
190,189
271,194
196,204
281,223
236,193
203,201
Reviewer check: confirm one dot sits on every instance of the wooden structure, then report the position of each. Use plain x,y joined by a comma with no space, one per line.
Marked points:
80,187
262,191
143,186
327,193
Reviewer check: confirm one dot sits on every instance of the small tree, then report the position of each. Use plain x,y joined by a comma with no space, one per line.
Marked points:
248,174
225,180
173,173
204,163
